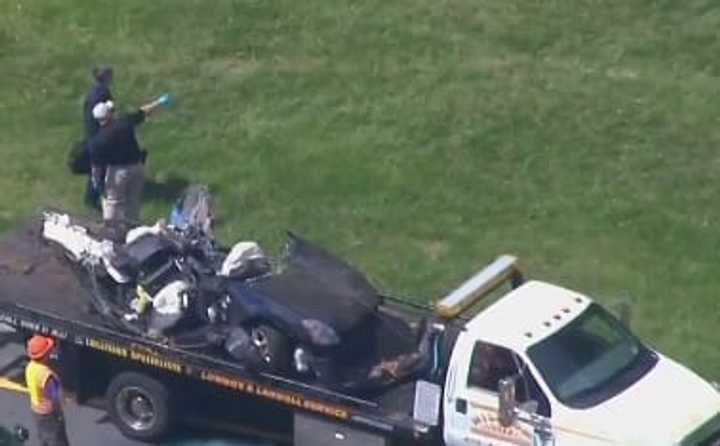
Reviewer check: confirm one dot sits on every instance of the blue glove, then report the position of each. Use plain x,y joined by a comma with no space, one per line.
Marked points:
167,100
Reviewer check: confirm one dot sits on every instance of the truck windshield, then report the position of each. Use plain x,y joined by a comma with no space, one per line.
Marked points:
592,359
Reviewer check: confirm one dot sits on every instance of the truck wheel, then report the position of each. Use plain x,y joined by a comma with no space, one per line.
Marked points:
140,406
272,346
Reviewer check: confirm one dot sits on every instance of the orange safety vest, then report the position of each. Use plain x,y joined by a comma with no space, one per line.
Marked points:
37,376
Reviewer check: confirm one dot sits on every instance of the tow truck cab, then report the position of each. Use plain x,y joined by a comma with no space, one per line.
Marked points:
544,365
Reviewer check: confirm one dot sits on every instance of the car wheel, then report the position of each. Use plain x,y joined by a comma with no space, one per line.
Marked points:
140,406
273,348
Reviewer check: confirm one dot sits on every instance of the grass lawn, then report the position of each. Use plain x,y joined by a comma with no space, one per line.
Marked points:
418,138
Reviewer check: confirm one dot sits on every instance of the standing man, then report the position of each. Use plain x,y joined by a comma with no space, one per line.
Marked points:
45,392
99,92
116,155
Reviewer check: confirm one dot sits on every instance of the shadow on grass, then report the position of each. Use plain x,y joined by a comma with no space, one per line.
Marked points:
166,191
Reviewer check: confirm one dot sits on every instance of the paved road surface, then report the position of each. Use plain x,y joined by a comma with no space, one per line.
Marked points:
87,426
90,427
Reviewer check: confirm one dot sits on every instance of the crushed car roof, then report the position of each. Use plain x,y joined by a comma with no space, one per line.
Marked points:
321,286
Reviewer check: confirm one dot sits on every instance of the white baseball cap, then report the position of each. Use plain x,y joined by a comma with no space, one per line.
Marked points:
103,110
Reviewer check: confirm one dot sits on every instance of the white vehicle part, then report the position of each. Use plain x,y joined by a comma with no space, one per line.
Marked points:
138,232
471,414
428,398
74,238
79,245
117,276
301,360
240,254
171,299
663,407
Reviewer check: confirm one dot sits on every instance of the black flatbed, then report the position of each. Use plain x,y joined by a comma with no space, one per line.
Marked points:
39,293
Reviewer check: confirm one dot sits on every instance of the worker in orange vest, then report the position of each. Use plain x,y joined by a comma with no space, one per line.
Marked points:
45,392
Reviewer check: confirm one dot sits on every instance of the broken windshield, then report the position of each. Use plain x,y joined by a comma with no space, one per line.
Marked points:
591,359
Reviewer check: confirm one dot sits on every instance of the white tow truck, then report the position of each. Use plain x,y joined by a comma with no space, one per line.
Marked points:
540,365
567,373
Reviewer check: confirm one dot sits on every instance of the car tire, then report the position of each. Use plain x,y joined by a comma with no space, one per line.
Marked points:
272,347
140,406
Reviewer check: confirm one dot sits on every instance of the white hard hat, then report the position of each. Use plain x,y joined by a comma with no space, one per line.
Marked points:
103,110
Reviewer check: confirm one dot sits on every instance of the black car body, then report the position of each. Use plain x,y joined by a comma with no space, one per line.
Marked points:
325,307
315,299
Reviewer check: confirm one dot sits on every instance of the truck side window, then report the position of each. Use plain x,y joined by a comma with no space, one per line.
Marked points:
490,363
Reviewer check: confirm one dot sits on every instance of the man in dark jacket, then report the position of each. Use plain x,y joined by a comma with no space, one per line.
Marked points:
116,157
99,92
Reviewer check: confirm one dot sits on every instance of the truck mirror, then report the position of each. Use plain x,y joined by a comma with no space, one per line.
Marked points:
507,405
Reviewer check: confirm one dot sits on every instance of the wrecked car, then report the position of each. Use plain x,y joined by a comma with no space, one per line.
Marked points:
308,313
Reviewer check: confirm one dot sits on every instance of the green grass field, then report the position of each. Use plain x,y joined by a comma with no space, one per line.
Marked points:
416,138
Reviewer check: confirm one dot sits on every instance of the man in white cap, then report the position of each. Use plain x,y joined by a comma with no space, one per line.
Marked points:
99,92
115,150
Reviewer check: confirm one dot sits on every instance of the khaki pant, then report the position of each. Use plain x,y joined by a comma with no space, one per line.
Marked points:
123,192
51,429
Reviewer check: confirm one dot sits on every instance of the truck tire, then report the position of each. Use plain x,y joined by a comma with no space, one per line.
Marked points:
273,348
140,406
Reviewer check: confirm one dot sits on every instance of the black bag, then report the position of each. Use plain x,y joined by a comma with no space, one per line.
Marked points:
78,159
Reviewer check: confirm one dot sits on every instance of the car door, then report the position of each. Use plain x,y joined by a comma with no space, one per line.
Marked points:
471,405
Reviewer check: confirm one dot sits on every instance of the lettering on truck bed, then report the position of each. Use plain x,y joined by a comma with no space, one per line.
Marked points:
243,386
153,359
287,398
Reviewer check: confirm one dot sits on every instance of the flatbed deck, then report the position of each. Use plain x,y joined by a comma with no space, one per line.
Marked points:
39,293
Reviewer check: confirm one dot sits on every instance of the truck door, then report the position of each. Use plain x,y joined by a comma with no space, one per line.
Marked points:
471,402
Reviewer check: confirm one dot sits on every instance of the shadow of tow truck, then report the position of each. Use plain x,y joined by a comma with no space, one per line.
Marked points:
16,436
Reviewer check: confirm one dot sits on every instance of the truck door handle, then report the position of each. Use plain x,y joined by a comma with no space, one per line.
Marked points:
461,405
